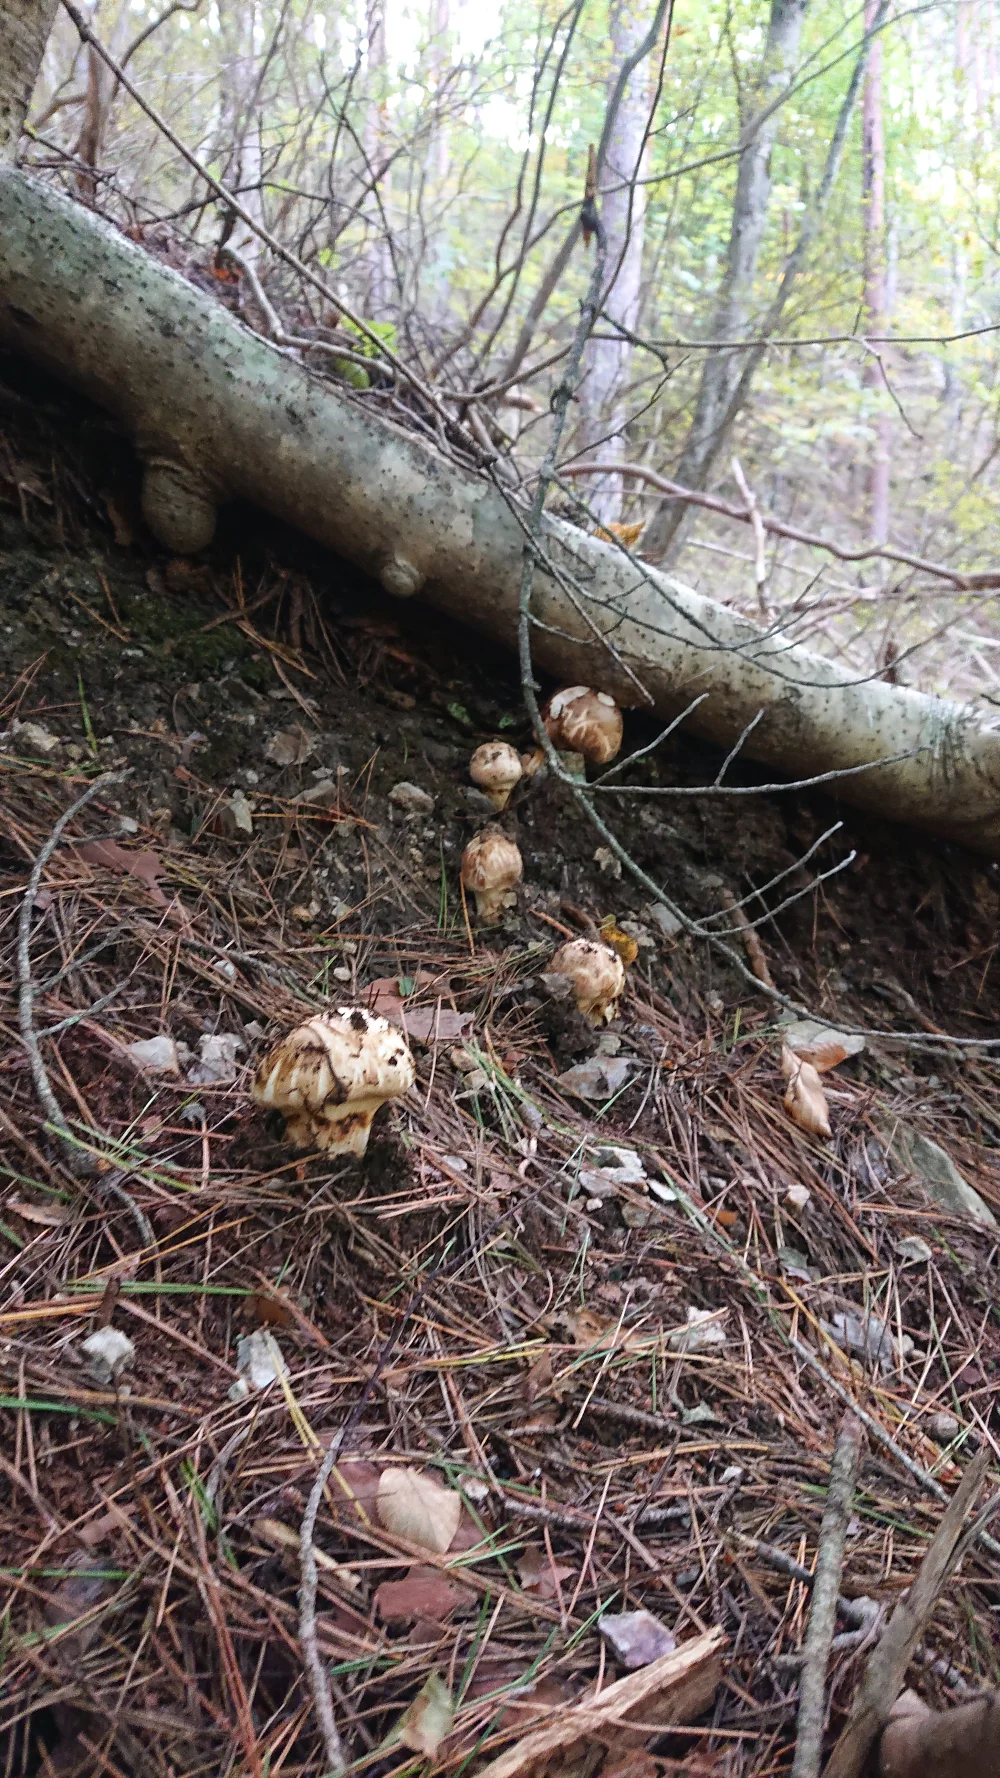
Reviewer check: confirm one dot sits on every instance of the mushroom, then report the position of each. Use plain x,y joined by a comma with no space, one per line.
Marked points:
329,1077
495,768
491,865
581,720
597,975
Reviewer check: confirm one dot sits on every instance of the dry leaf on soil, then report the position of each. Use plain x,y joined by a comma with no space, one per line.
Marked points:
429,1718
636,1638
416,1507
805,1100
422,1592
821,1044
540,1575
427,1024
147,866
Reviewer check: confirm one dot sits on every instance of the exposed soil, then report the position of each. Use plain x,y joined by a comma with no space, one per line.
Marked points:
223,905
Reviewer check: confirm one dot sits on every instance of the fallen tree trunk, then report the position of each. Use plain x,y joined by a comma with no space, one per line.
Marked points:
215,412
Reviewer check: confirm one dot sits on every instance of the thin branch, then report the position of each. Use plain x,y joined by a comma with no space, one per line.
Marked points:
713,503
822,1616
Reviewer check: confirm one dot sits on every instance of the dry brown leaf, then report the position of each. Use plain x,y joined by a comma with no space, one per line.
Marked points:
48,1216
426,1024
147,866
539,1575
805,1100
415,1507
422,1592
821,1044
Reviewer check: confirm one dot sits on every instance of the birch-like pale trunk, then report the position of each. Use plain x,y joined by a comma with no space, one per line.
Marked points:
603,393
721,371
24,32
215,412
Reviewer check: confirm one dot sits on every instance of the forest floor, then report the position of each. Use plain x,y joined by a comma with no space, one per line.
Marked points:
588,1354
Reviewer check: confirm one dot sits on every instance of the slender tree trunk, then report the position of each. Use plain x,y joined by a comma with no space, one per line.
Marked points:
603,395
875,309
375,138
24,32
239,116
722,370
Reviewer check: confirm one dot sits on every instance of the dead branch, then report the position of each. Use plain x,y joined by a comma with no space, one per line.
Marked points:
778,527
826,1587
886,1669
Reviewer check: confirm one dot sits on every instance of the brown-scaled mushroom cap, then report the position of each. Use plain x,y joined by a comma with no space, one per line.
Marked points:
496,767
491,865
329,1077
597,975
581,720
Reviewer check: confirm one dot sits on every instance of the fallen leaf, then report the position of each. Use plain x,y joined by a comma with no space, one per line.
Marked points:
415,1507
702,1331
821,1045
156,1054
540,1575
636,1637
147,866
78,1593
47,1216
422,1592
216,1064
428,1720
427,1024
805,1100
290,747
600,1078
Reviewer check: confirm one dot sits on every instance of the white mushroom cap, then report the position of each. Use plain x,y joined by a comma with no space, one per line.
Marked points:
330,1075
496,768
597,974
581,720
491,865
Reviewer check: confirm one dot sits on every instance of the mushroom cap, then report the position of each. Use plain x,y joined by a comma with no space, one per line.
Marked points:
582,720
491,862
333,1063
597,975
496,766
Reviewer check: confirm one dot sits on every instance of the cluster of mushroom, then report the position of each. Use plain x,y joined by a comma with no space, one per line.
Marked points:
329,1076
577,720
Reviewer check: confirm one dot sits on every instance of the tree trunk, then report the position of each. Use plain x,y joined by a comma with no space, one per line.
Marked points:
216,412
375,134
874,297
604,392
722,370
24,32
239,149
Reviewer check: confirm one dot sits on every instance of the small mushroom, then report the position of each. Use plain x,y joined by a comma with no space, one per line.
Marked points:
597,976
495,768
329,1077
581,720
491,865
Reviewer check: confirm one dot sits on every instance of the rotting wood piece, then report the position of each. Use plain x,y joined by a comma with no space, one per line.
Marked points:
215,412
676,1688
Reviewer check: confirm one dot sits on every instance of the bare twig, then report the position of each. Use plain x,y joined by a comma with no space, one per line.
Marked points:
778,527
887,1667
822,1616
